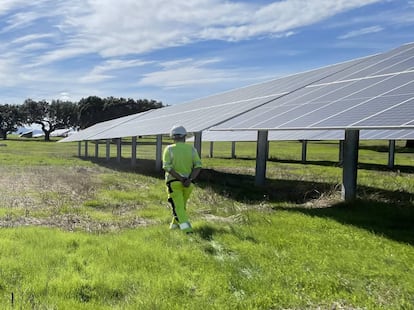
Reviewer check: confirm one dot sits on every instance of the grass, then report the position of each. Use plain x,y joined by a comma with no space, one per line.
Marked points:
87,234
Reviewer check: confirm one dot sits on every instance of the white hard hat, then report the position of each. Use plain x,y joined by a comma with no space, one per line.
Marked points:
178,130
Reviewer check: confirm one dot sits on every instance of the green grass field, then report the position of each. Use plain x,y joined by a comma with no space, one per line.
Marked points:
84,233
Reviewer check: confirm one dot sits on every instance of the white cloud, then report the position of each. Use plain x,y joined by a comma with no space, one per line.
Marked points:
131,27
7,5
64,96
98,73
7,72
59,54
116,64
101,34
20,20
361,32
187,73
134,27
34,47
279,17
32,37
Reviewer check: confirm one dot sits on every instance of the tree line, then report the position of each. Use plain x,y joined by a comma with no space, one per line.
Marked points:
60,114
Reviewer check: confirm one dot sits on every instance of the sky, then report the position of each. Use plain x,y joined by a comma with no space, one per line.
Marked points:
175,51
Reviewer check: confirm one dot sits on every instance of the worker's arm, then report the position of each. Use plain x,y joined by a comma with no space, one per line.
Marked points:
194,174
176,175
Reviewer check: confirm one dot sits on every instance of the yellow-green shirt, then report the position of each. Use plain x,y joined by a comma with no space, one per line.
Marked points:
181,157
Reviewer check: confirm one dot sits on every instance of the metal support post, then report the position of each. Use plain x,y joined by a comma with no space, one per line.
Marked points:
108,149
350,168
118,149
261,157
211,149
86,149
158,153
304,150
391,154
96,149
233,149
197,142
134,151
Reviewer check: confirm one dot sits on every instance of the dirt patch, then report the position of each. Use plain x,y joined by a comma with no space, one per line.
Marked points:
70,222
52,197
37,187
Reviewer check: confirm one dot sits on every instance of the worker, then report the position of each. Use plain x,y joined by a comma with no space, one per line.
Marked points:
182,165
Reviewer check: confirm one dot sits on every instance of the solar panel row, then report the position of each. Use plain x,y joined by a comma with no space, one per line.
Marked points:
292,135
377,92
374,92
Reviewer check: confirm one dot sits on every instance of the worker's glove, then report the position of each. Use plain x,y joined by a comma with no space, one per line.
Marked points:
187,182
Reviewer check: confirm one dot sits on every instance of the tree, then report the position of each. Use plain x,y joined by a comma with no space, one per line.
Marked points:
10,118
409,143
50,117
90,111
63,114
119,107
94,110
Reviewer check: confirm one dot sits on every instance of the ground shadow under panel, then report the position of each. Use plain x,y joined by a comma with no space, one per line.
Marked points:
389,220
362,166
142,166
241,187
390,214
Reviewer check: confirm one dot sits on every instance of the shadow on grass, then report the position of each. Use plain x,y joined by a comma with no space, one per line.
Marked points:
385,148
143,166
386,213
385,219
241,187
363,166
207,232
327,163
235,186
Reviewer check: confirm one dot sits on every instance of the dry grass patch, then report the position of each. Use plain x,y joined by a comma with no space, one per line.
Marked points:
73,222
55,197
44,186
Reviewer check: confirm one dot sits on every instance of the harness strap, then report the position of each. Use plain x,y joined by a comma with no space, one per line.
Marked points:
168,183
171,201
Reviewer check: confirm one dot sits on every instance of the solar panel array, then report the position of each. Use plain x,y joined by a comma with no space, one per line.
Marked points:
377,92
292,135
371,92
98,128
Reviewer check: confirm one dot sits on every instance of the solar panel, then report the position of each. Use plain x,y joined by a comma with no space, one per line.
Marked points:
160,121
290,135
369,94
401,112
201,114
98,128
402,134
293,135
396,60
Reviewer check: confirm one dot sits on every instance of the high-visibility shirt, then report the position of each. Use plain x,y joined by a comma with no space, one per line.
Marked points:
181,157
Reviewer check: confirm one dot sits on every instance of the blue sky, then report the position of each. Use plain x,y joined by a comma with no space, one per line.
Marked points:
178,50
